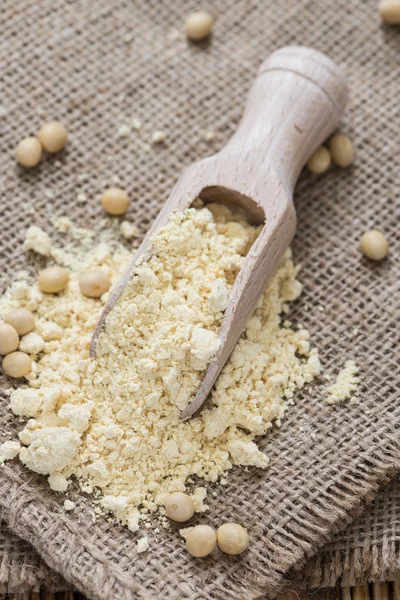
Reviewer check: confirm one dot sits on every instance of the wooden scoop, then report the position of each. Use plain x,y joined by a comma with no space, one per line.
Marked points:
296,101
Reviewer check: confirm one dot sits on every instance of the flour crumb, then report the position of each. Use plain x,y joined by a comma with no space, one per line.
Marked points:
158,137
198,497
38,240
185,531
76,417
19,290
218,297
204,346
115,503
51,450
136,124
133,521
142,545
346,384
69,505
209,136
32,343
49,330
81,198
62,224
129,230
123,131
25,402
58,482
9,450
247,453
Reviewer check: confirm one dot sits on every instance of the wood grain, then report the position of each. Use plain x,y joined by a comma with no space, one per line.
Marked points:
396,590
380,591
361,592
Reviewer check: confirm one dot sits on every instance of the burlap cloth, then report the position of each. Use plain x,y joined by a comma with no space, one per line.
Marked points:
95,66
369,549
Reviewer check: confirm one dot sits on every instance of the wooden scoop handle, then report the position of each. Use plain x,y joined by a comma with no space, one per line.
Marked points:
295,102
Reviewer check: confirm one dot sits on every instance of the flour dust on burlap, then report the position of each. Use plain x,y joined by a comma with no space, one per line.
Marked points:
113,422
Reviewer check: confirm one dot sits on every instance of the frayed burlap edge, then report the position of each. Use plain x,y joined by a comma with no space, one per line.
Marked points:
356,562
368,550
105,580
22,569
351,567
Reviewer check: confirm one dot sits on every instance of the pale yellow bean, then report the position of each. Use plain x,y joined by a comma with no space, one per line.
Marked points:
53,280
115,201
342,150
201,541
94,282
374,244
29,152
390,11
9,340
320,161
198,25
232,538
179,507
17,364
53,136
21,319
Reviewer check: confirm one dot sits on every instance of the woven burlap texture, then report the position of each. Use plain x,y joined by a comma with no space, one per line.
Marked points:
97,65
22,569
368,550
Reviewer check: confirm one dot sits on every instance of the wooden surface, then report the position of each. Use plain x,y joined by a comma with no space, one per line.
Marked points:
375,591
294,104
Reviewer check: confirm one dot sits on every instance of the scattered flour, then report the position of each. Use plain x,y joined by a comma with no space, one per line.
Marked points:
184,532
62,224
123,131
346,384
158,137
198,497
209,136
129,230
81,198
9,450
113,422
69,505
58,482
136,124
32,343
142,544
38,240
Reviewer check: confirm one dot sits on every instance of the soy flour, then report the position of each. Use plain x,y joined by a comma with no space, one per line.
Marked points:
113,422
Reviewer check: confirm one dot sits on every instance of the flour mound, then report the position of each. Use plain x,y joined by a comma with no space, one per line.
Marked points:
113,422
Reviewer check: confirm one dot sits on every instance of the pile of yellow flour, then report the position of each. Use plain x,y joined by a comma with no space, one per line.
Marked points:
113,422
